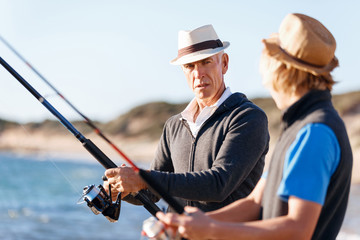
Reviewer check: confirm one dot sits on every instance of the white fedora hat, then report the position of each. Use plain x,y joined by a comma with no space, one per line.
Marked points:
198,44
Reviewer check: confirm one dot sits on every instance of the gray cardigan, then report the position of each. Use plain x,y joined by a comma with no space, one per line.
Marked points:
222,164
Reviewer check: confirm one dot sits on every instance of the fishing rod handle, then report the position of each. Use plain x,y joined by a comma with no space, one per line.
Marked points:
147,203
154,185
98,154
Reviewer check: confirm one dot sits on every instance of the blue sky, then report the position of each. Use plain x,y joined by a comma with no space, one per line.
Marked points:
109,56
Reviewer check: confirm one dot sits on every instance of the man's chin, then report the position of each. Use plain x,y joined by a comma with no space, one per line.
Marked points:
203,98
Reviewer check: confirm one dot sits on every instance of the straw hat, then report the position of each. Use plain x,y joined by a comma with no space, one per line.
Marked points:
303,43
198,44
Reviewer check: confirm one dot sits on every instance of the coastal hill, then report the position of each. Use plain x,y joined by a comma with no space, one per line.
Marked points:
137,131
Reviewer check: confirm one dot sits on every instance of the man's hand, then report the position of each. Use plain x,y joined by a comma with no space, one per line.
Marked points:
123,179
193,225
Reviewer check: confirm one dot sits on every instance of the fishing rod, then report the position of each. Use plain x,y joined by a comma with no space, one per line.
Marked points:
141,196
152,183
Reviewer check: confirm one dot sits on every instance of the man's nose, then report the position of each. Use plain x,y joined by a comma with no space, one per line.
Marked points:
198,71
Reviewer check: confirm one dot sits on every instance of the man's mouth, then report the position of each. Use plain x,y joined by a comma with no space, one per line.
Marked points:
201,85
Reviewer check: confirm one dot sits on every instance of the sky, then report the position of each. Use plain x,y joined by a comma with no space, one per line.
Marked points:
107,57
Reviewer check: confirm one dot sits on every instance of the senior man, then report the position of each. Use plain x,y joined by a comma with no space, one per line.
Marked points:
212,153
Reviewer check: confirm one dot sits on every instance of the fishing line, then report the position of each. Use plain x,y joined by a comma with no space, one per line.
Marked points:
75,189
46,157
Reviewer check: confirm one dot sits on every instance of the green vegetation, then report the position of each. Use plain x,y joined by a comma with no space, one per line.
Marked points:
146,120
4,124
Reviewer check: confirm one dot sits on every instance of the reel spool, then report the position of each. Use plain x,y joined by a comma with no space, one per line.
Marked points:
99,201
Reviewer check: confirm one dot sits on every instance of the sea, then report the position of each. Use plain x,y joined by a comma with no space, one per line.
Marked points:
39,201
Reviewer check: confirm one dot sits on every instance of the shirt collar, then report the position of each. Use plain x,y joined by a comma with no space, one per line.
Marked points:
192,107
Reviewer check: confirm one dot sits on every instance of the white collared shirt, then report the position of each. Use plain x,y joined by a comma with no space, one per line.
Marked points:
189,112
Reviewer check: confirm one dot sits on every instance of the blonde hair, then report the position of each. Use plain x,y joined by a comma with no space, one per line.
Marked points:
287,79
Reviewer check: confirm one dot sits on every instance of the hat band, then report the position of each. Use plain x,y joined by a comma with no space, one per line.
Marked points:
302,62
200,46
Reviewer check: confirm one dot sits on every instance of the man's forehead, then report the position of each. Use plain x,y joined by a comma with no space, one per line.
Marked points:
208,58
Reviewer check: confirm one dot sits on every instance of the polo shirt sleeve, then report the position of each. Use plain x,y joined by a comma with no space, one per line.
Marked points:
309,164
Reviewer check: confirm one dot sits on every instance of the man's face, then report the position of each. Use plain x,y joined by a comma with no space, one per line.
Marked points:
205,77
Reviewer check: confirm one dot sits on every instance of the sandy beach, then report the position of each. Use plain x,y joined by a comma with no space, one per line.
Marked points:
67,146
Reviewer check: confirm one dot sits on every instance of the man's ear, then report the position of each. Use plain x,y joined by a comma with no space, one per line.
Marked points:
225,63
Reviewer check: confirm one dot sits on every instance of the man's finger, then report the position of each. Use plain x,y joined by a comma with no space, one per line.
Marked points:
190,210
169,218
111,172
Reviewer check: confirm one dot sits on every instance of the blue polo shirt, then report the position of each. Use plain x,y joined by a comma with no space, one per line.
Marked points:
309,164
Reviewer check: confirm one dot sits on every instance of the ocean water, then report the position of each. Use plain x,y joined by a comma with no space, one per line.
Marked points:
38,201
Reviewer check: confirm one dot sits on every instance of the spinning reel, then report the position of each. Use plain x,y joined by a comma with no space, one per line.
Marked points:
99,201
